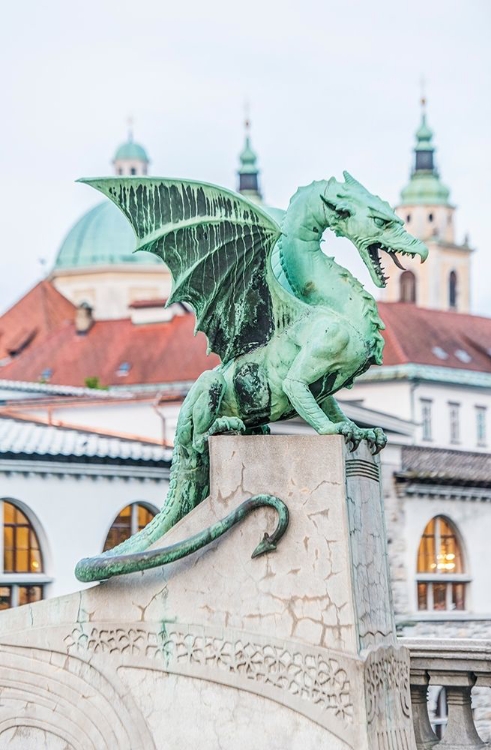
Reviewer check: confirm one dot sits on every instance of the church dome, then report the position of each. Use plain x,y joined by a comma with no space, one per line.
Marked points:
131,150
102,237
425,190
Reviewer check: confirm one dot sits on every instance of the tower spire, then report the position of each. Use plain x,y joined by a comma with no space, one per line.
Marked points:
424,150
248,171
425,187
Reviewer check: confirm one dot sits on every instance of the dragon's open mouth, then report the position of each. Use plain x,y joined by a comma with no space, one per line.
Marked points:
374,252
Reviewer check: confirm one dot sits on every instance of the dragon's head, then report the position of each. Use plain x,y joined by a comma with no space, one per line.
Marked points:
370,224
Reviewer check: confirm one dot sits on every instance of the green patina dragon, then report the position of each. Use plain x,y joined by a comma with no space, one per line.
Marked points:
291,326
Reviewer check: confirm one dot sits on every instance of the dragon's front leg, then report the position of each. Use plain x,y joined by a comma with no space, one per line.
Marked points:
324,352
374,436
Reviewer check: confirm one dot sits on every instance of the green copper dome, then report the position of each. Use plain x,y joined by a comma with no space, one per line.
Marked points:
102,237
131,150
425,189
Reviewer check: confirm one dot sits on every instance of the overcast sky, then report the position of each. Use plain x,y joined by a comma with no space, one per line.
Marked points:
331,86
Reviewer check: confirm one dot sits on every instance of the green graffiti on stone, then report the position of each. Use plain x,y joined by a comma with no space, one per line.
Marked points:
292,327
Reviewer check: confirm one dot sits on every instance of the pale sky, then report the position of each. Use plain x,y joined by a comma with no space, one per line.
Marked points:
331,86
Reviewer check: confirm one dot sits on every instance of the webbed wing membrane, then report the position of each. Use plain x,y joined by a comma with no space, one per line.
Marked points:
217,246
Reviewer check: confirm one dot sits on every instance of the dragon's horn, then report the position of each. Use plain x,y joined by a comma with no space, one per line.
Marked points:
351,180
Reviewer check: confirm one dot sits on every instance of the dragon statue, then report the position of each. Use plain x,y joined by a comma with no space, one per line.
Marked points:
290,325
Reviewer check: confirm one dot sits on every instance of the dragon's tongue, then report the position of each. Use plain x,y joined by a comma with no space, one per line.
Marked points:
397,261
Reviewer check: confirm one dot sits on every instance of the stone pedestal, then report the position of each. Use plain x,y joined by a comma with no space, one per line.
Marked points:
295,649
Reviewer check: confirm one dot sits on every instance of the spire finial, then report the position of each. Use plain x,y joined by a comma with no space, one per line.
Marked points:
130,128
422,100
247,119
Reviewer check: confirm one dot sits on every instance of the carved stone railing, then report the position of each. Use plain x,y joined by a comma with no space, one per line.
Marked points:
458,666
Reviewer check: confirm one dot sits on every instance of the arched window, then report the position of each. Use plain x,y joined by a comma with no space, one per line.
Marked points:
133,518
452,290
407,281
441,578
21,579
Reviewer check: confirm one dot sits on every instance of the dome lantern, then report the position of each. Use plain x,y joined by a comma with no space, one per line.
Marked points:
130,158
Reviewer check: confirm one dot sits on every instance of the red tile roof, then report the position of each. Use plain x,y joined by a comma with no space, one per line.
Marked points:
40,331
156,302
42,310
417,335
152,353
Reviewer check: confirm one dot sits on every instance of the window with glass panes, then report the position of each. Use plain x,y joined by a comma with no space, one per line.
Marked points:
441,578
481,425
426,406
21,579
454,412
133,518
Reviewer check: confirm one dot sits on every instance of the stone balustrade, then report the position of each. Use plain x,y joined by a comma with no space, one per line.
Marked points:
459,666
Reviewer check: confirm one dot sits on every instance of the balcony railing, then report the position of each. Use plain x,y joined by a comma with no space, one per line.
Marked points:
459,666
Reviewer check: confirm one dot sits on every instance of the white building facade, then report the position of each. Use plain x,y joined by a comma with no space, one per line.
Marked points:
67,494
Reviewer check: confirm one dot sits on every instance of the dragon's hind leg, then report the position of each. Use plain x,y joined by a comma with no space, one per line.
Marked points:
203,418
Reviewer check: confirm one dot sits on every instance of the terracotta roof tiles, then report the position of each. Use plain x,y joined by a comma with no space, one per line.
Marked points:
117,352
435,337
42,310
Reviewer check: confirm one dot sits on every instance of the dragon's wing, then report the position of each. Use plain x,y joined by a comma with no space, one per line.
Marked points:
217,246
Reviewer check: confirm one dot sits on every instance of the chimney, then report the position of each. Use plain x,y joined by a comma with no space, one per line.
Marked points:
83,318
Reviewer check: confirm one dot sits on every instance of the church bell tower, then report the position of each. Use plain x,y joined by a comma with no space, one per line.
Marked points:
443,282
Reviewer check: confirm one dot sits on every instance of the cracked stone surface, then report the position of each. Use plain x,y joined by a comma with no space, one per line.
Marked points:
222,650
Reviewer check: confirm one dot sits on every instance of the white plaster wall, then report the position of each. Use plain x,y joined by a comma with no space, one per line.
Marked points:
468,398
73,515
135,418
388,397
403,399
111,290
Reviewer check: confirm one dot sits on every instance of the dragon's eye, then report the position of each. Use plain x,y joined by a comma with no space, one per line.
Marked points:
380,222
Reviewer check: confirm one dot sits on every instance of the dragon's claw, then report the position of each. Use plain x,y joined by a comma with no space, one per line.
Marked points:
353,435
227,424
219,426
380,440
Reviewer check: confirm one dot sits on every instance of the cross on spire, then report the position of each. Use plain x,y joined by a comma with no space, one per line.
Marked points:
422,84
247,121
